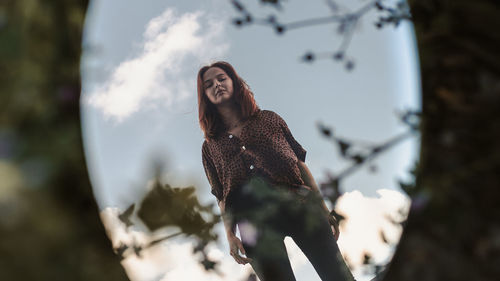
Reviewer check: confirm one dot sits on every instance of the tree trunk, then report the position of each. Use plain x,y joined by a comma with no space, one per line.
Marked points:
453,228
49,221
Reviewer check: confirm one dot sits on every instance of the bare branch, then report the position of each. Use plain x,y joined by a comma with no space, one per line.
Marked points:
346,24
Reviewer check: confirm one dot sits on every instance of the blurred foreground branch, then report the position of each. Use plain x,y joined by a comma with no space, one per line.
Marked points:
166,207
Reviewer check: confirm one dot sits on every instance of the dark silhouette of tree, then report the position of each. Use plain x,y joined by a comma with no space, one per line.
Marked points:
49,222
454,222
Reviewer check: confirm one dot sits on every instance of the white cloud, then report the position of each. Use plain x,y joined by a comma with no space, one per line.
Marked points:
172,49
366,217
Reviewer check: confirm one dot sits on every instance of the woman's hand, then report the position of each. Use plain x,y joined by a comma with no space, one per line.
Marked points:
235,246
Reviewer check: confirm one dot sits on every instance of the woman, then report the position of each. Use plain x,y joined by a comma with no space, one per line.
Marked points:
257,173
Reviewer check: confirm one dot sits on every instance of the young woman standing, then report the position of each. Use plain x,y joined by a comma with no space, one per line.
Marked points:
257,173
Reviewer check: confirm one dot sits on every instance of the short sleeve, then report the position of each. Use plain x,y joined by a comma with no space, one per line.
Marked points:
299,151
211,173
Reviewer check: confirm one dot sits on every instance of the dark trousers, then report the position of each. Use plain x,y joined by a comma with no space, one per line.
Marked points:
266,215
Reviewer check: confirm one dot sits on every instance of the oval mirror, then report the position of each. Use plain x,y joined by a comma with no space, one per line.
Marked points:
347,89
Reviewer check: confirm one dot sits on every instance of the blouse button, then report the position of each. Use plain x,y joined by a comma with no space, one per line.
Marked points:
251,167
230,136
243,147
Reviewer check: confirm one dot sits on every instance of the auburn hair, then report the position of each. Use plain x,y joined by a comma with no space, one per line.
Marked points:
210,120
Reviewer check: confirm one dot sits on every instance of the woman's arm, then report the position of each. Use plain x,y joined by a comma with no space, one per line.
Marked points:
234,242
228,224
308,179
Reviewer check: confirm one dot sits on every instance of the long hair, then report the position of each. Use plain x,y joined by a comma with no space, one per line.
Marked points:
210,120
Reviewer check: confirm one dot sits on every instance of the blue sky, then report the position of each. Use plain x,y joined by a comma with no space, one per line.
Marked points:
139,93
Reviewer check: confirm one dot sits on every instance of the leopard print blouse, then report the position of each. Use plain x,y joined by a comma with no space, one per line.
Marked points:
265,148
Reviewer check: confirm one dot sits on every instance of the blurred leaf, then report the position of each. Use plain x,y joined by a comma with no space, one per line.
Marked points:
165,206
121,250
383,237
343,146
308,57
326,131
125,216
358,158
367,258
208,264
331,189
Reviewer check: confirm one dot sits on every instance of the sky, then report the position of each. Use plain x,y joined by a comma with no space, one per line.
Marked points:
139,105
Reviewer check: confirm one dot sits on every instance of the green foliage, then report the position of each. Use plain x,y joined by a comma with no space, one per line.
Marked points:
165,206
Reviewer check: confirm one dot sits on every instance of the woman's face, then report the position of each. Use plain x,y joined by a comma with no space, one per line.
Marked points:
218,86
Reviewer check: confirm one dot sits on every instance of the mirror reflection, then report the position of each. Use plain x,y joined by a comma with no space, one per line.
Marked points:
143,141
